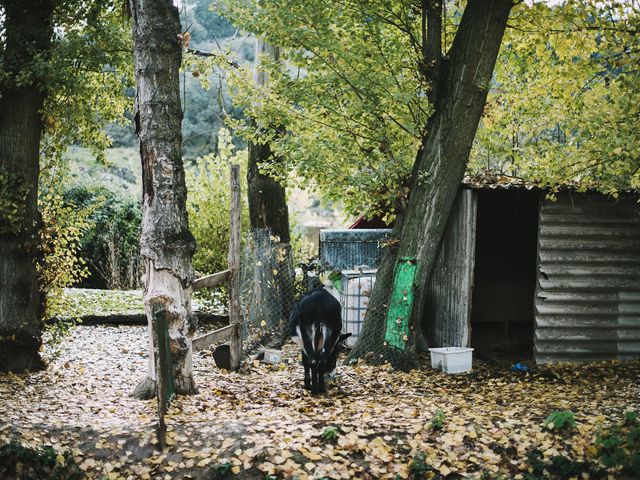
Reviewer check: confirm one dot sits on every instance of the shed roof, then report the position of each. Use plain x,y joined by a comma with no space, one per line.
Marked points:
496,181
493,181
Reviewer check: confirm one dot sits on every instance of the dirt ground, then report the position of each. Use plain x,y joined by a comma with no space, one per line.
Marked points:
260,423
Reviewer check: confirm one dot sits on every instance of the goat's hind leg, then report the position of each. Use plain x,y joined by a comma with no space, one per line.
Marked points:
321,386
307,374
316,381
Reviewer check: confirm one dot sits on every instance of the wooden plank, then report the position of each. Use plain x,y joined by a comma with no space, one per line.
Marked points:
450,290
210,280
208,339
235,317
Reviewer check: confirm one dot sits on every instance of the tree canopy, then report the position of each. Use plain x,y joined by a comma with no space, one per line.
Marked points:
562,107
347,91
566,101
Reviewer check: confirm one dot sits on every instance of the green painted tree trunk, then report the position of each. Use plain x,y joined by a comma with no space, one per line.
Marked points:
462,81
166,243
28,31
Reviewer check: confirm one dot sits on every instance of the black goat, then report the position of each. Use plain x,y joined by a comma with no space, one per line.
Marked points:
315,324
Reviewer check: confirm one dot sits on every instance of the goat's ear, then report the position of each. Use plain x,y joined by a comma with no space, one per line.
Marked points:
343,337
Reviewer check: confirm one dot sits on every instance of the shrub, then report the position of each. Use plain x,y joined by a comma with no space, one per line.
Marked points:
418,466
61,264
111,246
330,434
20,462
208,203
620,446
560,468
437,422
560,420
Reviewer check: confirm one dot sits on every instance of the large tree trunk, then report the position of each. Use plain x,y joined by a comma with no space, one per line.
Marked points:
268,209
27,42
462,83
166,244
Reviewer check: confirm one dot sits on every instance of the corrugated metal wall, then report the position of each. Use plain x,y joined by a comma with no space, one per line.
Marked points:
587,300
346,249
448,307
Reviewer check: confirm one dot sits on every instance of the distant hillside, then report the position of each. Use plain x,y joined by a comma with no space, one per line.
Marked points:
121,174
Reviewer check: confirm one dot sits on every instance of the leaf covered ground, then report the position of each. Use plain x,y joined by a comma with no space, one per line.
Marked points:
260,423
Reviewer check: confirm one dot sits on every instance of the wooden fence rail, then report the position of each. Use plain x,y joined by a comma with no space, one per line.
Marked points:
232,331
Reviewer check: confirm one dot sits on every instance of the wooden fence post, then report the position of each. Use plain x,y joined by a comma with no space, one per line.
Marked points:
234,269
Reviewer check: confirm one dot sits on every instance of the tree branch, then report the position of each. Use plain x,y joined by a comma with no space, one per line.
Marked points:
201,53
432,44
432,31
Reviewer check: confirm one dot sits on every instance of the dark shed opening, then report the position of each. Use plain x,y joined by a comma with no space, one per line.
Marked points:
502,315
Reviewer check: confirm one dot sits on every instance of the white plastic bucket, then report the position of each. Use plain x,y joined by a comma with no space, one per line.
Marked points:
451,359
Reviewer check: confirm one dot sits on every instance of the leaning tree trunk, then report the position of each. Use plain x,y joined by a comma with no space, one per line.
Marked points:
166,244
268,208
27,41
463,81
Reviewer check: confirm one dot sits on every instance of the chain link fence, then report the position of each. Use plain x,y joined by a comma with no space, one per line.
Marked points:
267,290
271,283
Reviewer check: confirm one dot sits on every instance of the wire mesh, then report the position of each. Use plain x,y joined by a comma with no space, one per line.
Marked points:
267,290
271,283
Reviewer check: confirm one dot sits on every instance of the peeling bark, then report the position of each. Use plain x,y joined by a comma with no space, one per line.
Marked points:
462,85
28,31
166,244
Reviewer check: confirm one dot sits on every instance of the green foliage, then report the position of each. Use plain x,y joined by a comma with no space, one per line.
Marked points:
60,265
350,93
566,97
64,225
111,245
560,420
330,434
348,90
203,113
303,249
619,446
13,197
206,25
18,461
208,204
438,420
418,466
89,74
559,467
488,475
222,469
618,449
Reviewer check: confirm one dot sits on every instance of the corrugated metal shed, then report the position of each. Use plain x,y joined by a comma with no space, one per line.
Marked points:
448,306
587,300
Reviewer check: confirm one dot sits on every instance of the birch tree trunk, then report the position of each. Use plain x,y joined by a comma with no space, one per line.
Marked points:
166,243
28,31
461,83
268,204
